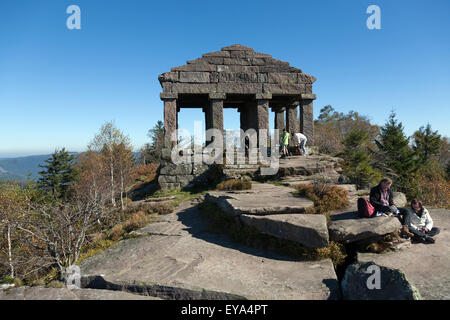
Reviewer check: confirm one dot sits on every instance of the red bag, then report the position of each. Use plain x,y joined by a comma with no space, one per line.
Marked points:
365,209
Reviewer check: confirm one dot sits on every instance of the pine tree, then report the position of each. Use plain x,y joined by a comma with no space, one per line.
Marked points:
59,174
358,160
395,154
427,144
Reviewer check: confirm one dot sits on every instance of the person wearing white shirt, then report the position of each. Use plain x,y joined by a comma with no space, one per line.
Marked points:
420,223
301,142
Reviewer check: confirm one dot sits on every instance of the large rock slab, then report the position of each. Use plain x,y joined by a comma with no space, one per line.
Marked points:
393,284
181,258
426,265
307,229
42,293
348,227
262,199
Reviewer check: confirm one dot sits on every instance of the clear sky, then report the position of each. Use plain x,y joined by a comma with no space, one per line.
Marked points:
58,86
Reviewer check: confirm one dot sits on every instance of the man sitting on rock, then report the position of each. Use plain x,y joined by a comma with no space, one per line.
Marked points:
382,199
420,223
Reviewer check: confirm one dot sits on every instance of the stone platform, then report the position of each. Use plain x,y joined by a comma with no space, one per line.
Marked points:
179,257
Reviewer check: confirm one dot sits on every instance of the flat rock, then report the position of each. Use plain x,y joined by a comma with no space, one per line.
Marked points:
262,199
183,259
42,293
393,284
348,227
307,229
426,265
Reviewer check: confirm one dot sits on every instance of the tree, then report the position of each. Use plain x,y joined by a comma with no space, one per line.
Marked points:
152,152
59,229
333,127
123,155
93,176
358,160
59,174
395,156
427,144
105,142
11,199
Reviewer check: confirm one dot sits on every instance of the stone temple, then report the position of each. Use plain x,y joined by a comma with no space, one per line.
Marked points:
236,77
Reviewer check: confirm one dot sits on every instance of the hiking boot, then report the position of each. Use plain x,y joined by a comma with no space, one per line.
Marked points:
405,231
429,239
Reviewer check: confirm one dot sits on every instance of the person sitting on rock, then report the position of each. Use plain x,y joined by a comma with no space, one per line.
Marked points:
420,223
382,199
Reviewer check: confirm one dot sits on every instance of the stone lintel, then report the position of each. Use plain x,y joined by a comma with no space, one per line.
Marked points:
308,96
217,96
278,109
263,96
168,95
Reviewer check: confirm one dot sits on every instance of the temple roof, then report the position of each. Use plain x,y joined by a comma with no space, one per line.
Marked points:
236,69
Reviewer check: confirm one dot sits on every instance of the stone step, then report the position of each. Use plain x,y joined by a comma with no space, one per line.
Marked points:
262,199
307,229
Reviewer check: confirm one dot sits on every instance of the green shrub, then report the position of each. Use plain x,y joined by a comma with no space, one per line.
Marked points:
235,184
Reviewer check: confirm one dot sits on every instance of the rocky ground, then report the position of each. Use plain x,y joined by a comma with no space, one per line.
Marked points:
181,257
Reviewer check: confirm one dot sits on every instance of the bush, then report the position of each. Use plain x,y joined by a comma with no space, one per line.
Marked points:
144,172
162,208
335,251
116,232
326,198
137,220
235,184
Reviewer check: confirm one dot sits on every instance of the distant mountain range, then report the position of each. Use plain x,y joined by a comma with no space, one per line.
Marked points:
19,168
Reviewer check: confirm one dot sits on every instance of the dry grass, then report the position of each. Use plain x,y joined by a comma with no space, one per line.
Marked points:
326,198
235,184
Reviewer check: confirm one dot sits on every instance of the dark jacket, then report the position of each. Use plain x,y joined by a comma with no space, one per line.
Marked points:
375,197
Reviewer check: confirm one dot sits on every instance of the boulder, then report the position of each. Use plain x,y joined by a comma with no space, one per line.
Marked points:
307,229
359,283
348,227
399,199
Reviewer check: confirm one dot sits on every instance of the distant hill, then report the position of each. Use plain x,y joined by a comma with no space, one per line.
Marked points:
18,168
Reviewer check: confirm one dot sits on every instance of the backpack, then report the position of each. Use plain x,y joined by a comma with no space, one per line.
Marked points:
365,208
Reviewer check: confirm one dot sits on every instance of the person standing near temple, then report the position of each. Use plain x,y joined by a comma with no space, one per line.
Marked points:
301,142
285,136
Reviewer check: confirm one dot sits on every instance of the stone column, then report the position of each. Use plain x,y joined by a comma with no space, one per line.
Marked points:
214,111
262,113
170,116
292,123
279,118
307,117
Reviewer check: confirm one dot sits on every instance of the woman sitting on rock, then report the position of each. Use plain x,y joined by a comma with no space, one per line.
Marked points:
420,223
382,199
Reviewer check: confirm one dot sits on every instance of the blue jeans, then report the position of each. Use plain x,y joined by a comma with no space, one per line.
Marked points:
302,145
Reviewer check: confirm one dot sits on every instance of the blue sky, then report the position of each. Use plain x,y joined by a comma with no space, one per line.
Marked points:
58,86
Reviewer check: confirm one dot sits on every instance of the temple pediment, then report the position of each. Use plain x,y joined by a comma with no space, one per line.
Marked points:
236,69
